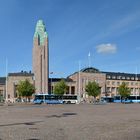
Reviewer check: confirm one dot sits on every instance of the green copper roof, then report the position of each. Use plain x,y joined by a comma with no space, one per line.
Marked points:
40,31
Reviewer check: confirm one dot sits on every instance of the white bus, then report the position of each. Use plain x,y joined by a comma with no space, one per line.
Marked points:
70,99
55,99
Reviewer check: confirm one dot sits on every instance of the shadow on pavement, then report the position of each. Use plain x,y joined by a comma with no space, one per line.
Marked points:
33,139
25,123
62,115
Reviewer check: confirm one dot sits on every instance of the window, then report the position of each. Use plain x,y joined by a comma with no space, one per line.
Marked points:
128,78
127,83
113,77
113,83
118,77
108,76
136,78
118,83
132,83
113,89
1,92
108,89
72,90
108,82
67,90
123,78
132,78
8,95
136,84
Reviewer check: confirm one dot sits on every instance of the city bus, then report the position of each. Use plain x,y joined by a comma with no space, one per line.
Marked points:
47,98
70,99
39,98
130,99
54,99
117,99
135,99
107,99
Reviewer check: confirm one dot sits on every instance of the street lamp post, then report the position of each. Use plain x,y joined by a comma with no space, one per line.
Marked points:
6,94
136,89
79,86
51,83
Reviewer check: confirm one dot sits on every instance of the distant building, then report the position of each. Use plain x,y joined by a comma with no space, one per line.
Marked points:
2,86
108,81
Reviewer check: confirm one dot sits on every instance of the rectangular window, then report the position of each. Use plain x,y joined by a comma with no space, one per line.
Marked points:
8,95
1,92
118,83
113,89
113,83
132,78
128,78
132,83
108,82
72,90
118,77
123,78
113,77
67,91
108,76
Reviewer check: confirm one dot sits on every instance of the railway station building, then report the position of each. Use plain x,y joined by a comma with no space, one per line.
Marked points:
76,82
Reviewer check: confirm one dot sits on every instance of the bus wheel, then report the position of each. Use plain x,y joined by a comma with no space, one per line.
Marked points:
69,102
41,102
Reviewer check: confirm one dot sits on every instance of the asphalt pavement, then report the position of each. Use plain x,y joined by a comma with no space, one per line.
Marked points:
70,122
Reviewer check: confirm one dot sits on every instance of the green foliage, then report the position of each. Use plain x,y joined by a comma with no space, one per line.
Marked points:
60,88
123,90
93,89
25,88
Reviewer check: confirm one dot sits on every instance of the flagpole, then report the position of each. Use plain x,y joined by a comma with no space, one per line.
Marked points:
51,84
89,61
79,86
136,85
6,95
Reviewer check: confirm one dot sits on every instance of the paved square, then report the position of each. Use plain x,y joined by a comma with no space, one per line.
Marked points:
70,122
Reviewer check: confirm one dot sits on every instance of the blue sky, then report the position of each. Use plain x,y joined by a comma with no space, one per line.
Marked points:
109,30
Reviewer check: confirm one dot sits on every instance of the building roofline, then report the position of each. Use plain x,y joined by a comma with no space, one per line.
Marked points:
94,70
22,73
59,79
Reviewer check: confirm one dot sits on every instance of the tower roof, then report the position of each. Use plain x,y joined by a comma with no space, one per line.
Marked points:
40,31
90,70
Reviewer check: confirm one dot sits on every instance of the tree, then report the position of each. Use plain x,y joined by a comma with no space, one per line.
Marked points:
123,90
25,89
93,89
60,88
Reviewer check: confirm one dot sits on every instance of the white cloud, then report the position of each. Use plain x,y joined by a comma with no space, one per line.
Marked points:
106,48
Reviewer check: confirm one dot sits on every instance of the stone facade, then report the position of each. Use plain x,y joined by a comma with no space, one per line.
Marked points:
41,58
109,82
82,78
12,82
